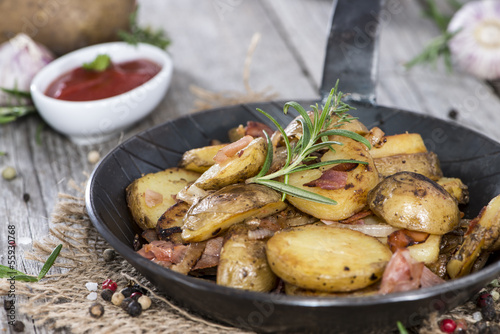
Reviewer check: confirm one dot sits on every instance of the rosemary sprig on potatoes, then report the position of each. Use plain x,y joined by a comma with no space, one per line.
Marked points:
316,131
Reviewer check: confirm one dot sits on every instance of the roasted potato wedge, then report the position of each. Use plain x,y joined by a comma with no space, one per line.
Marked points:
425,163
414,202
326,258
200,159
243,262
228,206
456,188
169,226
293,290
164,184
236,169
427,251
405,143
482,234
352,197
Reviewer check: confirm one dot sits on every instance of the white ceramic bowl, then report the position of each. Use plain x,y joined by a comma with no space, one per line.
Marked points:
91,122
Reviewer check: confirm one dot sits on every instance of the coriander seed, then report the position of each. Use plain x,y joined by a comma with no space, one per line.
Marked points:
96,310
9,173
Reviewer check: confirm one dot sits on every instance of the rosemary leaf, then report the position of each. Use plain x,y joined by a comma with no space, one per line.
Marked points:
297,192
348,134
269,157
50,261
16,93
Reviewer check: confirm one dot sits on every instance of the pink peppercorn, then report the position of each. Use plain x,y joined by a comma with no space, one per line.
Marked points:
447,325
109,284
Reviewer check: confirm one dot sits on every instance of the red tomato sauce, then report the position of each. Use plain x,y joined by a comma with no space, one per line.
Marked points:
87,85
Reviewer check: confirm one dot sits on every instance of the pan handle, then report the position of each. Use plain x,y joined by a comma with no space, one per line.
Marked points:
352,49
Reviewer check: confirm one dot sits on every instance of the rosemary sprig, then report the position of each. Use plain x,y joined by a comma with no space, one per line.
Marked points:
10,273
143,35
16,109
314,137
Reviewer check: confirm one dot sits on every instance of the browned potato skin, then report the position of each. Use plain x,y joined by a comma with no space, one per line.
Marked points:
230,205
350,199
170,223
293,290
168,183
456,188
404,143
325,258
425,163
200,159
413,201
243,262
64,26
237,169
480,237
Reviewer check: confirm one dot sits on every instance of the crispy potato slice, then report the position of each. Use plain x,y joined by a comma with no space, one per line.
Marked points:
200,159
414,202
405,143
482,234
327,258
243,262
245,164
166,183
169,226
228,206
425,163
352,197
456,188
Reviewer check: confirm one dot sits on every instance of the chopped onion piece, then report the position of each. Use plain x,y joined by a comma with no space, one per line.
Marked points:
374,230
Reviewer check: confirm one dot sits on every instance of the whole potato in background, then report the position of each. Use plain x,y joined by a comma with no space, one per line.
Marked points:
65,25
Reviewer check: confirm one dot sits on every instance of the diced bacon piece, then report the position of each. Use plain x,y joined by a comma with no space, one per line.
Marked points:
255,129
161,249
404,238
429,278
211,254
152,198
345,167
402,273
230,150
330,180
147,255
355,218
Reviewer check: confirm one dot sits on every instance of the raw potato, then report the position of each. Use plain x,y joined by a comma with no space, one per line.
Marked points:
237,169
200,159
167,183
230,205
425,163
405,143
326,258
352,198
64,26
413,201
480,237
243,262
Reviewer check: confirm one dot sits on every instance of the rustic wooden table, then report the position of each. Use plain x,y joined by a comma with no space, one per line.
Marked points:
210,42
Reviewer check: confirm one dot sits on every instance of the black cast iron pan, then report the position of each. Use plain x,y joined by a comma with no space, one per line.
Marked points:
351,58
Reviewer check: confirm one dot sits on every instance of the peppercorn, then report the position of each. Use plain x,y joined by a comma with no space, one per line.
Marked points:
140,289
124,304
108,255
109,284
107,294
145,302
9,173
487,304
135,295
127,291
26,197
134,309
117,298
18,326
96,310
8,304
447,325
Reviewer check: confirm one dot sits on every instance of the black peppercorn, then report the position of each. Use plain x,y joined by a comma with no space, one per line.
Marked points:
134,309
125,303
127,291
107,294
18,326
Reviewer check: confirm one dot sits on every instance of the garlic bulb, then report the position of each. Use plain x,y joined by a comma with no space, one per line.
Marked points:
20,59
476,45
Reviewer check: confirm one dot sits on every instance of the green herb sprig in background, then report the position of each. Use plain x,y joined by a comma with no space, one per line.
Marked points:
144,35
9,273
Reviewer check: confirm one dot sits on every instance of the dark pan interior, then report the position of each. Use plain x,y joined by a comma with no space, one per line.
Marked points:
463,153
